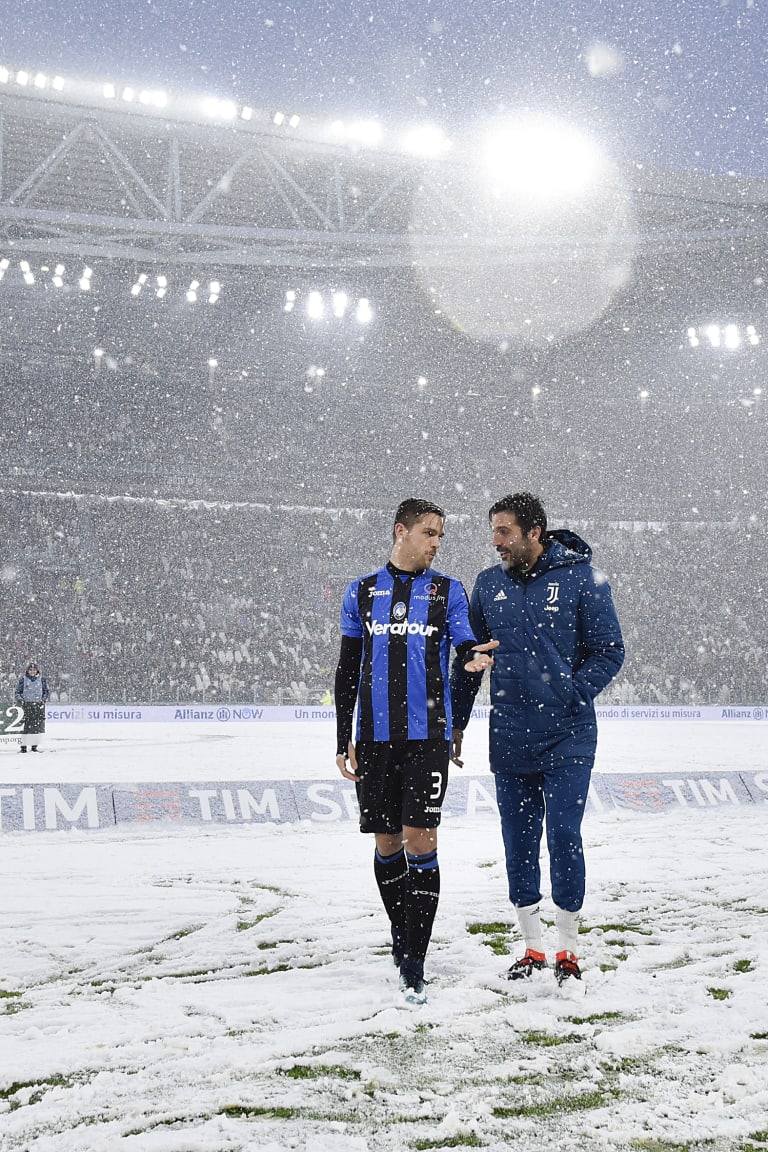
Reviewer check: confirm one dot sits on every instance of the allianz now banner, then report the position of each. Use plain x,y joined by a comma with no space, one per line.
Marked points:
56,807
264,713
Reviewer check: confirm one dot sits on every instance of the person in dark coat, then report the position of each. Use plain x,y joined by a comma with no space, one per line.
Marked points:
32,694
560,644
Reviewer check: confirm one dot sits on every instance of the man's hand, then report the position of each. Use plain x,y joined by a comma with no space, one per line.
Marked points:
457,738
341,763
480,662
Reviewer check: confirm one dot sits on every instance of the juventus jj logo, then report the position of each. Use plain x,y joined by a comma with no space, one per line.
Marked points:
553,593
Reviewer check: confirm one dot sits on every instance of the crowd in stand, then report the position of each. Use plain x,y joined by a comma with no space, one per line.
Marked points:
142,600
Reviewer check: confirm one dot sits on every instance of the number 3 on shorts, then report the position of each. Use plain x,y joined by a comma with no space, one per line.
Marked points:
437,786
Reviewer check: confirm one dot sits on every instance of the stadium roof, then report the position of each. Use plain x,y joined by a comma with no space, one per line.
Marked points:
85,173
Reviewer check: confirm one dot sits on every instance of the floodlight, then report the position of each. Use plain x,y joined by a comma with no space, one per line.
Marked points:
29,277
128,95
160,292
85,284
58,281
40,80
98,353
315,306
246,112
536,390
539,157
752,335
712,332
162,281
22,78
644,394
58,83
143,278
294,121
340,301
364,312
214,286
278,118
191,295
731,337
24,265
367,132
4,263
693,338
227,110
135,289
757,391
109,91
213,363
59,269
427,140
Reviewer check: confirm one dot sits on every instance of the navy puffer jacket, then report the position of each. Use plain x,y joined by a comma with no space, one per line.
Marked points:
560,645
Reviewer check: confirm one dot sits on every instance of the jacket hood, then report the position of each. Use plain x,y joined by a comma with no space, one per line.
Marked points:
564,548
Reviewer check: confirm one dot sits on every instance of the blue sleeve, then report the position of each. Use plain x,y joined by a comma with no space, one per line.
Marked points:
465,685
602,645
44,685
351,624
459,625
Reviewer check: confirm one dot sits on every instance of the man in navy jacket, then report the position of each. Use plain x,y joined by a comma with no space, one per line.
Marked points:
560,645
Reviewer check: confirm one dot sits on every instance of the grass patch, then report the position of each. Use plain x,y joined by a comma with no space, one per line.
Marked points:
597,1018
39,1089
549,1039
743,966
497,936
468,1140
719,993
316,1071
582,1103
584,928
660,1146
758,1035
8,995
248,1112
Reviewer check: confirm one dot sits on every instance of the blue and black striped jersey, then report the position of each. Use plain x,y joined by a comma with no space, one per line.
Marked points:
407,623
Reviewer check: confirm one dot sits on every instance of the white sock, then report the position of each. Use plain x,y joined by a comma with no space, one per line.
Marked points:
529,919
567,930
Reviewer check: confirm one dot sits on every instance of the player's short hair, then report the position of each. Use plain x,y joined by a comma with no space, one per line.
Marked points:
409,511
527,509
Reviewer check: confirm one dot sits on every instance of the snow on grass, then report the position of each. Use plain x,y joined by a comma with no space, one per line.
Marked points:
208,989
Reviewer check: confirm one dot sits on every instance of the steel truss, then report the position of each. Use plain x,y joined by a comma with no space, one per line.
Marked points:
89,182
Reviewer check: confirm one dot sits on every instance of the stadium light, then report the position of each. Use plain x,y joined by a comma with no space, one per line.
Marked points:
315,306
214,291
290,301
85,279
109,91
58,83
246,112
426,140
364,311
128,95
729,336
339,303
22,78
538,157
40,80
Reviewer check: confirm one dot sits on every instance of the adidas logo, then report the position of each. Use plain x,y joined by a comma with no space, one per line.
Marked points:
501,595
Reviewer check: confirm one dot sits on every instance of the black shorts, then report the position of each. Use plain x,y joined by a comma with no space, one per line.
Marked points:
401,784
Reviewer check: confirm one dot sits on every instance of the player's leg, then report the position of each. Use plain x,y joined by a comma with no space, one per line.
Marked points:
425,779
378,794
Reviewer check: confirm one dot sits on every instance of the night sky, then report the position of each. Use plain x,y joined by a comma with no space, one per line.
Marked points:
670,83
